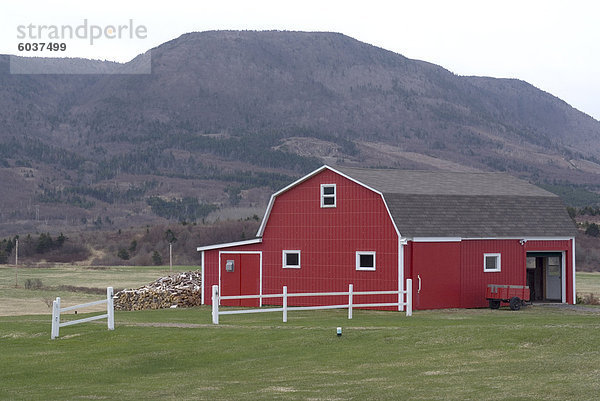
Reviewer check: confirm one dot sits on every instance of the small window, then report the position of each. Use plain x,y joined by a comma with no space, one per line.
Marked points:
291,259
328,195
491,262
554,267
365,260
531,262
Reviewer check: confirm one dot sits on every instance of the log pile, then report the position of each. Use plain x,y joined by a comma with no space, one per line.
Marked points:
181,289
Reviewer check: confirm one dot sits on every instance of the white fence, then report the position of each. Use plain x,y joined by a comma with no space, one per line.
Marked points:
401,303
56,311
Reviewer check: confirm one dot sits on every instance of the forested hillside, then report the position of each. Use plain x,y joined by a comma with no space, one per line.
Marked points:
226,118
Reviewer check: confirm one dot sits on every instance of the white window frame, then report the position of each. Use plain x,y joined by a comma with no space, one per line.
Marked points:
323,196
498,262
359,254
284,264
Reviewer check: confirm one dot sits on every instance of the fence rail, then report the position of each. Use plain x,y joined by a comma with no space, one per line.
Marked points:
109,315
404,301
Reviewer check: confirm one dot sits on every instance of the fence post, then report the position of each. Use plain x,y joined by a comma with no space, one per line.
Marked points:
408,297
350,290
55,318
285,304
110,308
215,304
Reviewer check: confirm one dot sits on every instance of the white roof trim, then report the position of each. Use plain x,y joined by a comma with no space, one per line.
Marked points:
523,238
436,239
457,239
263,224
229,244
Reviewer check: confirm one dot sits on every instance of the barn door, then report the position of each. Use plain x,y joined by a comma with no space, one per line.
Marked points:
240,275
436,275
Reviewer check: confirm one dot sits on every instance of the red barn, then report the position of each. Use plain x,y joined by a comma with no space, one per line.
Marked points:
453,233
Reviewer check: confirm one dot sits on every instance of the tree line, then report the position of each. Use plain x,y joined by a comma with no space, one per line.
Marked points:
29,245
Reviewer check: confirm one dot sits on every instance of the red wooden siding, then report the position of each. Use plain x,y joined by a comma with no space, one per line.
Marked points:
475,280
328,239
440,260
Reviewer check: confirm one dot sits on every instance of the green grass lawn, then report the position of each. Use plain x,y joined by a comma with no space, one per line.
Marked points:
538,353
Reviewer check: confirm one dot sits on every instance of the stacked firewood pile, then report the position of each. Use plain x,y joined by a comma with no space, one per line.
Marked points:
182,289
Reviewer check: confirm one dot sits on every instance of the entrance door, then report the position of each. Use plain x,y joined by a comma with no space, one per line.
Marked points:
544,276
553,279
240,275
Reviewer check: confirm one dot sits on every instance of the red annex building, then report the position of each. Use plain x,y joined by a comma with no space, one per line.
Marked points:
452,233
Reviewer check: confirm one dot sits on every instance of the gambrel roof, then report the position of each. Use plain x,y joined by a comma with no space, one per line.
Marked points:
458,204
466,205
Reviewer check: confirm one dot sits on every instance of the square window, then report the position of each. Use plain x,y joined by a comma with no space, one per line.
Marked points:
491,262
365,261
328,195
291,259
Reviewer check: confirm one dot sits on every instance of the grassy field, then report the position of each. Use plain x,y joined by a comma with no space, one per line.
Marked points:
538,353
588,283
17,300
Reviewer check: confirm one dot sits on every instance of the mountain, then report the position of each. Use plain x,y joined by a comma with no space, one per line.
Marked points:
227,117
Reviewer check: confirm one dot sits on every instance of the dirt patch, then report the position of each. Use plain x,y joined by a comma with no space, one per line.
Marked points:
577,308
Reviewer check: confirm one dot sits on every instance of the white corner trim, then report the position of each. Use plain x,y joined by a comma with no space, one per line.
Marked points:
202,276
563,277
573,256
401,244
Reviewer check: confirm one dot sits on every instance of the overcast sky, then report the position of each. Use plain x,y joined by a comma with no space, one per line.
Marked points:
554,45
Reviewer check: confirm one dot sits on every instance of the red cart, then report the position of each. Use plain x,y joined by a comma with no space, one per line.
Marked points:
514,295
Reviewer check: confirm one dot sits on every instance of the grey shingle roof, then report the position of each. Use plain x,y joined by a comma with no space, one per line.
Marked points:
467,205
443,182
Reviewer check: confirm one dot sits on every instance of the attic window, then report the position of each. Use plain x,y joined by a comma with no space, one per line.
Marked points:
365,260
491,262
328,195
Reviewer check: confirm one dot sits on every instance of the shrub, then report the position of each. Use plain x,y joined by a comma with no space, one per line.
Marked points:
589,299
593,230
133,246
33,284
123,254
156,258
